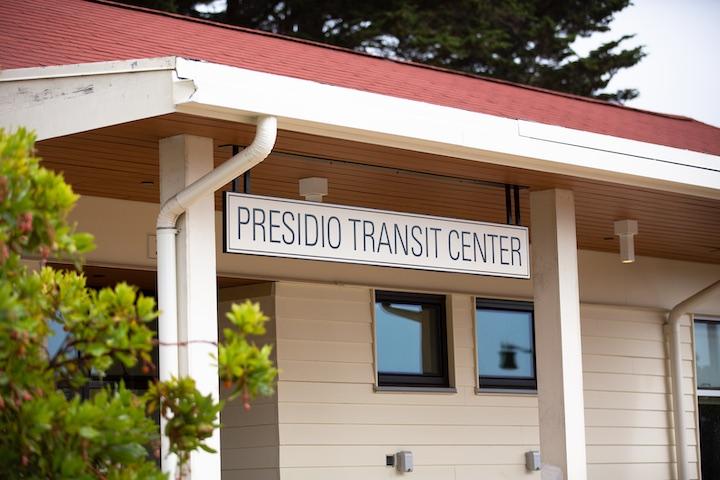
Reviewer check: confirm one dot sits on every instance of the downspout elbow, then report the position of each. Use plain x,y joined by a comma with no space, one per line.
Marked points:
169,214
255,153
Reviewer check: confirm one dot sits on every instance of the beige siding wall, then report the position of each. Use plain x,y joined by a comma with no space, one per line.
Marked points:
333,425
628,412
332,404
249,440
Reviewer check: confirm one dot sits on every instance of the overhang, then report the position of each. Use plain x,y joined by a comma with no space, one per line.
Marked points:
62,100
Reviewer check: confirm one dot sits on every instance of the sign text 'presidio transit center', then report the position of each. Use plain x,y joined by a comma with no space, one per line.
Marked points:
337,233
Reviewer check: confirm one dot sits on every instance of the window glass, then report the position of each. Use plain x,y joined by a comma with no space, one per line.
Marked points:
709,422
707,354
411,340
56,339
505,344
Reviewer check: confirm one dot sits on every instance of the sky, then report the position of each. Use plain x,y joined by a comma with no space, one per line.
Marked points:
681,72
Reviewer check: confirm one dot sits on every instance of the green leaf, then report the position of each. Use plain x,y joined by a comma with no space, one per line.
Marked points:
88,432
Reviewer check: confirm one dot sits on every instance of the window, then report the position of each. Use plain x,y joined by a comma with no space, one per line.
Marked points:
707,361
411,340
707,354
505,342
134,378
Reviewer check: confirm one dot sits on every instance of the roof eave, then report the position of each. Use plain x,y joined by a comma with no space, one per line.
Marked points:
67,99
238,94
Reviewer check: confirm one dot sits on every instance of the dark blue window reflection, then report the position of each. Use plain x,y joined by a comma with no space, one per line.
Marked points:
505,344
411,339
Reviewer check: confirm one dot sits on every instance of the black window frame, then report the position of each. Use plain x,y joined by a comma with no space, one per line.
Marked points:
711,391
438,303
707,398
491,382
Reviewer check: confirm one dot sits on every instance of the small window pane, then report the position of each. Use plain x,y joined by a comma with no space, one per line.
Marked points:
505,345
707,352
411,339
56,338
407,338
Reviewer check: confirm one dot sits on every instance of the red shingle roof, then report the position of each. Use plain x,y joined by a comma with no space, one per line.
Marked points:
48,32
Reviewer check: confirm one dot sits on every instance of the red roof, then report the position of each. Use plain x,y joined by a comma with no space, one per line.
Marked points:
49,32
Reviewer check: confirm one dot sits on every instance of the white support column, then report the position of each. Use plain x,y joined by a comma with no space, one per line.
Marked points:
184,159
557,335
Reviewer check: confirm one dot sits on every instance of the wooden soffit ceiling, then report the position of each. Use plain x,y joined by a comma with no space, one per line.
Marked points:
122,162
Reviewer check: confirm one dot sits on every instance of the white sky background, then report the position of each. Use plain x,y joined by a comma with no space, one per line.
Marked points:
681,72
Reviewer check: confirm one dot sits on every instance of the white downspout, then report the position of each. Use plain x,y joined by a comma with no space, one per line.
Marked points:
673,322
166,230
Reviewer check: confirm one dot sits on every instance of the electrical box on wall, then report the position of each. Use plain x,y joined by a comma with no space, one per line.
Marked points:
404,461
532,460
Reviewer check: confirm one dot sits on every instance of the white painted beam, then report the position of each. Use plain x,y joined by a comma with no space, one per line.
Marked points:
557,335
184,159
63,100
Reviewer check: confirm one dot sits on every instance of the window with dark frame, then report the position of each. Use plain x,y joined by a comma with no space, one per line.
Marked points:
505,343
707,365
411,340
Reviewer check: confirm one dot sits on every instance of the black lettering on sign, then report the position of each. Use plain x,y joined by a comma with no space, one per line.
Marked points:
384,239
515,248
480,248
368,233
240,220
291,239
435,231
413,229
273,225
503,250
307,230
403,240
258,213
337,235
354,221
466,246
492,245
450,244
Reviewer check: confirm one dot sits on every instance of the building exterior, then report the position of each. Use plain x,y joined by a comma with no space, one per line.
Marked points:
587,361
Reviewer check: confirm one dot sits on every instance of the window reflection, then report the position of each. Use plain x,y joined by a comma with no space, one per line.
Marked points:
410,333
406,338
505,344
707,354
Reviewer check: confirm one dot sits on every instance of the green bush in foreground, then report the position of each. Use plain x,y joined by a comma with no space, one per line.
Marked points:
46,432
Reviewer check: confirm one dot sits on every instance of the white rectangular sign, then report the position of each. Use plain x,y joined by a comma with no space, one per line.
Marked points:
319,231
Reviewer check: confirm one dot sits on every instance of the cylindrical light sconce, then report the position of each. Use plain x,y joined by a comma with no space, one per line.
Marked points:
626,230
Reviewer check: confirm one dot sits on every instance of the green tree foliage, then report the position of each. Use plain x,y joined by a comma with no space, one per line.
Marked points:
48,432
523,41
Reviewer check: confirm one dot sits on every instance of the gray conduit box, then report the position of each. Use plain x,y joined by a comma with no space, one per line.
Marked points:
532,460
404,461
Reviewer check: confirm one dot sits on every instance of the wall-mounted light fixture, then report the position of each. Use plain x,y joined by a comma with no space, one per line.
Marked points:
626,230
313,188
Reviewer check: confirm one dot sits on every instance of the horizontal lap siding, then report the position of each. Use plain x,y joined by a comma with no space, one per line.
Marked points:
332,424
628,406
249,440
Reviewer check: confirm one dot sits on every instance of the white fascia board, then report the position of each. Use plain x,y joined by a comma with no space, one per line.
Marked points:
67,99
239,94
